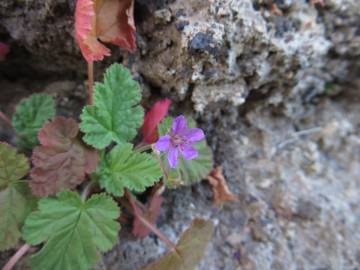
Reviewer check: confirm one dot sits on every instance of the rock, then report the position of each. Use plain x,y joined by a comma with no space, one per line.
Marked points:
202,42
163,16
307,210
278,97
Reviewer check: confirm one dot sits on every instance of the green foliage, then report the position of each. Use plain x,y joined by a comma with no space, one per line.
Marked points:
13,166
75,232
189,250
125,168
16,202
15,197
30,115
165,126
187,172
116,114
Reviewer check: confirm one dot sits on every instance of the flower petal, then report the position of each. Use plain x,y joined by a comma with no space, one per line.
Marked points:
163,143
179,124
172,157
189,152
194,134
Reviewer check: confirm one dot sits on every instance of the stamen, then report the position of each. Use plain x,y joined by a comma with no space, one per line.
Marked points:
176,140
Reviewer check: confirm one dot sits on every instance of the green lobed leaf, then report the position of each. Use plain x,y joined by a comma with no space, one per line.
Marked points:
75,232
13,166
16,200
165,125
116,114
124,168
189,250
30,115
187,172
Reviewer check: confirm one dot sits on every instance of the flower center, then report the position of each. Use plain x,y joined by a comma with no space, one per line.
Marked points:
177,140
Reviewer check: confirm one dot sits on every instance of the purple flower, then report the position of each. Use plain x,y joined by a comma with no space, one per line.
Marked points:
180,139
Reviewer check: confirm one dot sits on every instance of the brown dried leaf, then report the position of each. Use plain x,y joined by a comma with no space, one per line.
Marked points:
189,250
115,22
62,160
108,21
220,188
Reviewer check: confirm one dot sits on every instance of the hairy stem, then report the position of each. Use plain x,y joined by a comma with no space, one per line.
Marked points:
141,147
90,82
162,166
137,212
87,189
155,230
6,119
16,257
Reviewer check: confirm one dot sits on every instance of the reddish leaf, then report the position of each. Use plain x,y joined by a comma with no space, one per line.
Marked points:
220,188
4,50
153,118
151,214
91,159
110,21
62,160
